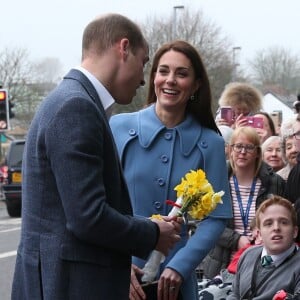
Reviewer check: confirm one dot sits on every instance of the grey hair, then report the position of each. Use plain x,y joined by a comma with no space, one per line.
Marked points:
270,140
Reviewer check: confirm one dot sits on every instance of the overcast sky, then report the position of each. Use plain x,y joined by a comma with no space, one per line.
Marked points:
54,28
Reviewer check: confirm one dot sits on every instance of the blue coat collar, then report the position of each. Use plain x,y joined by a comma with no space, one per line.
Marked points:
149,126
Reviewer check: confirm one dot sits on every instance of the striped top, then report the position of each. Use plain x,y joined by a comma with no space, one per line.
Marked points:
245,193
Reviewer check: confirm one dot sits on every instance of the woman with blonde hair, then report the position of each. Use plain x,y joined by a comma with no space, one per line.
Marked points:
251,182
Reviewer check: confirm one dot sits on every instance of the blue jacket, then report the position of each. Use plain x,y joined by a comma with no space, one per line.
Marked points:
78,233
154,159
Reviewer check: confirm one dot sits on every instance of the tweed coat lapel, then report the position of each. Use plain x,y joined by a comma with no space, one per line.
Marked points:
89,88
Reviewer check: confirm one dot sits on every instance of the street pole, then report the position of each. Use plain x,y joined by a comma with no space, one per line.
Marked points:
175,20
235,63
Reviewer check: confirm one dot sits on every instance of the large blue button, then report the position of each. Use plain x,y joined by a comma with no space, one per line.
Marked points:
204,144
161,181
157,204
168,135
164,158
132,132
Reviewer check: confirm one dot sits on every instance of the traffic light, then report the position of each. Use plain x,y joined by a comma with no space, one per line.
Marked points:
10,106
4,110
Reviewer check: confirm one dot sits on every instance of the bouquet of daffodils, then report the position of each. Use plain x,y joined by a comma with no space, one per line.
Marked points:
195,197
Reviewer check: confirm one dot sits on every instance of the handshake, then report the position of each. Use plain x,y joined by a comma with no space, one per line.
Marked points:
169,228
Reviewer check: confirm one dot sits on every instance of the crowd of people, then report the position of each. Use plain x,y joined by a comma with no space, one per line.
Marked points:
260,162
92,182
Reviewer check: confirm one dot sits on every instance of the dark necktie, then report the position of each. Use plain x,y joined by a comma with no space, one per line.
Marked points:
266,260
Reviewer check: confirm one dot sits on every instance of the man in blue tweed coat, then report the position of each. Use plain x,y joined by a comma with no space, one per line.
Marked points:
78,233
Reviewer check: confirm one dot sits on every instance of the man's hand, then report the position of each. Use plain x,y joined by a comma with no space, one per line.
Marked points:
169,285
176,221
169,234
136,292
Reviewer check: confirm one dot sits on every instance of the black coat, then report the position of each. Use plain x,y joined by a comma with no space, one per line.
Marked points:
292,190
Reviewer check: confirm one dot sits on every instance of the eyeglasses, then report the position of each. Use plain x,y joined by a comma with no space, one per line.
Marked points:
249,148
296,135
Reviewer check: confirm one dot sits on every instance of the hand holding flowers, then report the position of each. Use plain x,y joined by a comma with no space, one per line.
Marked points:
195,197
169,228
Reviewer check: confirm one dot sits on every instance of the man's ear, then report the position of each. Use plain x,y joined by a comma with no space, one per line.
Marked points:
296,229
259,235
124,48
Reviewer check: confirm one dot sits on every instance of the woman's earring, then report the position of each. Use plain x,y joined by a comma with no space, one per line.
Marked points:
192,98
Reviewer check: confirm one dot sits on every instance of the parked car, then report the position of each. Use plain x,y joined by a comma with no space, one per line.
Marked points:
12,178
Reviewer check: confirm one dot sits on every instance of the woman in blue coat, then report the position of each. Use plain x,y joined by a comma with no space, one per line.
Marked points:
158,145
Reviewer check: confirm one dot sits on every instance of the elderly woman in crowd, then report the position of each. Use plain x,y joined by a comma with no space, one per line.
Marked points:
289,149
272,152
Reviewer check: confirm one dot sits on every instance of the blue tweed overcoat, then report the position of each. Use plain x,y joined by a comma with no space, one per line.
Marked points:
78,233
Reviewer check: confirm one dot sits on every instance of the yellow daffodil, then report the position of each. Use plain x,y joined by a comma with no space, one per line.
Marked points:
198,196
156,217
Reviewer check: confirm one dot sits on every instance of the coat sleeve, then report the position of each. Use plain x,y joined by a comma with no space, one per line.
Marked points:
292,189
197,247
235,295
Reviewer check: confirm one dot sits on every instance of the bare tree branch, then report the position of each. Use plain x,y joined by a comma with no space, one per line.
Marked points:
277,66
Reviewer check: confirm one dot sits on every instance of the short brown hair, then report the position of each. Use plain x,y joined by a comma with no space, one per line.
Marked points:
103,32
276,200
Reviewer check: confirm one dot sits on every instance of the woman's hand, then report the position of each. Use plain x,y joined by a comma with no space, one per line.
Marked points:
169,285
241,121
136,292
263,134
221,121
